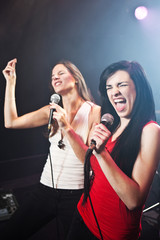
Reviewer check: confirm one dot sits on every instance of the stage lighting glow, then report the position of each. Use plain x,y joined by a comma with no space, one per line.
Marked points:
141,12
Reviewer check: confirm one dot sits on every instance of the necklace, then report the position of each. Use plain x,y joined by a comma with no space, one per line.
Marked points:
61,144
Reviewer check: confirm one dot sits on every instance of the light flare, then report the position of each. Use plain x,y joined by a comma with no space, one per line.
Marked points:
141,12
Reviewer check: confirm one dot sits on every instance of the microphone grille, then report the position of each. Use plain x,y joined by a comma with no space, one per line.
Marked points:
107,119
55,98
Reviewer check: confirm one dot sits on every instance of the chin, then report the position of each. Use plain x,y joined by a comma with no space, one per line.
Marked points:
122,114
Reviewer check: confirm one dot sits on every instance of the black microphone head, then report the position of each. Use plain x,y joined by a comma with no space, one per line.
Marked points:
107,119
55,98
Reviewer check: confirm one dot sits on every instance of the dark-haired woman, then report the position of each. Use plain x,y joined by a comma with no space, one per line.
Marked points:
123,163
62,179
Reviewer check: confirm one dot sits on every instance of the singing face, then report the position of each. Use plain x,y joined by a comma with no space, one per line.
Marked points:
121,93
62,80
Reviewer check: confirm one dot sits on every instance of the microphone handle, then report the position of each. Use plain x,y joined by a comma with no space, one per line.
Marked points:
92,144
50,118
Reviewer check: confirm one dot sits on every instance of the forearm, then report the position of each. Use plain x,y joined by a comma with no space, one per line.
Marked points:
10,110
76,142
126,188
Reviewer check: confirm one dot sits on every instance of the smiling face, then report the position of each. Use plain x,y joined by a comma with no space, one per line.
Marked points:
121,93
62,80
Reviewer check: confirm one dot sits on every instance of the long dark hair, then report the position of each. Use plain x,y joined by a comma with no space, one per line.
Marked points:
128,143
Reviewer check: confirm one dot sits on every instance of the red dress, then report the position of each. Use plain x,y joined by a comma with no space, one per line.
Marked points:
116,221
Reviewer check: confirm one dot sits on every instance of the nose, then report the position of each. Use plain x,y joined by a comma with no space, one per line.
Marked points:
115,91
55,77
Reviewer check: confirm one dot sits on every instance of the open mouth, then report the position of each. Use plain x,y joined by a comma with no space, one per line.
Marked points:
57,83
120,104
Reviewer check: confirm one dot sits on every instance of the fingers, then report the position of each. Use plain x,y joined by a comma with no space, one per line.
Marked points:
12,62
61,119
56,106
101,131
10,68
60,115
101,135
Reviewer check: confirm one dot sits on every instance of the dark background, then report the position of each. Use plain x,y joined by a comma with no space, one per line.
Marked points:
90,33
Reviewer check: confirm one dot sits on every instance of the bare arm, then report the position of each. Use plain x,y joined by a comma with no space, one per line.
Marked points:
133,191
11,118
75,140
94,118
77,144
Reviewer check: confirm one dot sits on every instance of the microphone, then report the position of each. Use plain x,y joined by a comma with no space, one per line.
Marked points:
55,98
107,120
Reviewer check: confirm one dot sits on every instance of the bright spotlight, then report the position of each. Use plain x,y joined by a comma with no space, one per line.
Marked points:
141,12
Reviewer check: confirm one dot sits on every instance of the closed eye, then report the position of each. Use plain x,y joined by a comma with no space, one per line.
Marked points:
122,84
108,87
60,73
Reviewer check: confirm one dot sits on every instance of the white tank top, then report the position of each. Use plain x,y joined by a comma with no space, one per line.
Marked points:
68,170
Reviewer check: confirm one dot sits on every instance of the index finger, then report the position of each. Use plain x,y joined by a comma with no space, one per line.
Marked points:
13,62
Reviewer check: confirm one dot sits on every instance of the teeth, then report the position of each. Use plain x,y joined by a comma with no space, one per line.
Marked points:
57,83
119,100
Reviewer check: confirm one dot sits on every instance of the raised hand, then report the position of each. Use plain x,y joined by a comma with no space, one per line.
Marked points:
10,71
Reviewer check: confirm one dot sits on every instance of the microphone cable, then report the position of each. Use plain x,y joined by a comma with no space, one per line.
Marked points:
107,119
88,179
51,167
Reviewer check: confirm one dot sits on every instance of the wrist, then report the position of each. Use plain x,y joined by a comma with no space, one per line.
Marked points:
11,84
67,128
10,99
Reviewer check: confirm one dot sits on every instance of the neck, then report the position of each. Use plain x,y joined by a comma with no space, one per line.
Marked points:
124,122
122,125
71,102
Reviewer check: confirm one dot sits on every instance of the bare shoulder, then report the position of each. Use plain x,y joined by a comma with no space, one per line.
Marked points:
95,113
149,155
95,109
94,117
151,131
150,143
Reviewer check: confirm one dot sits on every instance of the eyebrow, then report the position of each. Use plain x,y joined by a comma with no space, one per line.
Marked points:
58,72
118,83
